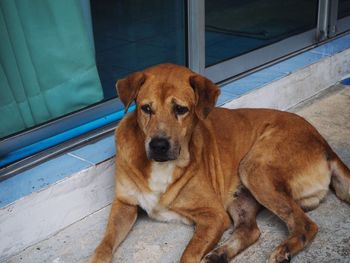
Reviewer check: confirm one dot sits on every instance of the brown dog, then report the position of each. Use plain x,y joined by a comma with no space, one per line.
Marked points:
179,158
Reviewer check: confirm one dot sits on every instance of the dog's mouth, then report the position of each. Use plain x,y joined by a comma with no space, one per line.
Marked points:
161,159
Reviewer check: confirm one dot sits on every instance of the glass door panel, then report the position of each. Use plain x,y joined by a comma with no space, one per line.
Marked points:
343,8
131,35
234,27
343,22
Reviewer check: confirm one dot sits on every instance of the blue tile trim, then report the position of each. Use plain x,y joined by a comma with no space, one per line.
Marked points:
345,81
298,62
224,98
39,177
277,71
97,152
333,47
57,169
253,81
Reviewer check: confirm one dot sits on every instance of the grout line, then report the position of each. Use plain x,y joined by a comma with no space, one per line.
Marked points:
323,54
80,158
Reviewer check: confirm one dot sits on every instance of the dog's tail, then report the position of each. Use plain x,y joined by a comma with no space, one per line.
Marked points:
340,180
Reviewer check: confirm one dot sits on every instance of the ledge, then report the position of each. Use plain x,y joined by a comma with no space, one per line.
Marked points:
65,189
282,70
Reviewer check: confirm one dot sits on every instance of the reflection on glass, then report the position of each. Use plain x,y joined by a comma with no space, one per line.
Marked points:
47,64
343,8
133,34
235,27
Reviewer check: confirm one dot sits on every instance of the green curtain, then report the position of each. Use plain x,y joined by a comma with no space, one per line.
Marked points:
47,64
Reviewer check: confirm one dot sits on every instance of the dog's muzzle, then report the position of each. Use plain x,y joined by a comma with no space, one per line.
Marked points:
160,150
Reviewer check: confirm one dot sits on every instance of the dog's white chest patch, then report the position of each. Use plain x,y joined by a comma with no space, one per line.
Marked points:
161,177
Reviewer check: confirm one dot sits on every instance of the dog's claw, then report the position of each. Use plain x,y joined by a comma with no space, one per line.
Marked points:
103,254
280,255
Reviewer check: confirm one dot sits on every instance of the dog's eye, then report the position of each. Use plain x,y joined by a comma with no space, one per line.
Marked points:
146,109
180,110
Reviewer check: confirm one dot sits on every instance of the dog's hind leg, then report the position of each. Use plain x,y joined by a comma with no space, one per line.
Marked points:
243,210
264,183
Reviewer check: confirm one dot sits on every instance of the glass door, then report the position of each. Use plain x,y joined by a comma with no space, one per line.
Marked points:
241,35
343,22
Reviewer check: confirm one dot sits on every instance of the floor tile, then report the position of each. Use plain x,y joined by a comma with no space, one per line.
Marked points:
253,81
333,47
224,97
39,177
298,62
98,151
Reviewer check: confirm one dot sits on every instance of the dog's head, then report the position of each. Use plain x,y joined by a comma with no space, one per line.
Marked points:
170,99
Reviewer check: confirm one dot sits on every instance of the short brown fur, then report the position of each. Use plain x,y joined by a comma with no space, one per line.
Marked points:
223,165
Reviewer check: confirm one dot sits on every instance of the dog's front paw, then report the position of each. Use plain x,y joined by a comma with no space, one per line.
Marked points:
103,254
215,257
280,255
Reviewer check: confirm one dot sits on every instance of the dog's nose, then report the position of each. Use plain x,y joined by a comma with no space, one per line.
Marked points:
159,145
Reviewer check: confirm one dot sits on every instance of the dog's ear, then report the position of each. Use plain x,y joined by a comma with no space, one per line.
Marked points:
206,95
129,87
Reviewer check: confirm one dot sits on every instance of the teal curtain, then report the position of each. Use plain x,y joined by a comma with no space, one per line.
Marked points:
47,64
